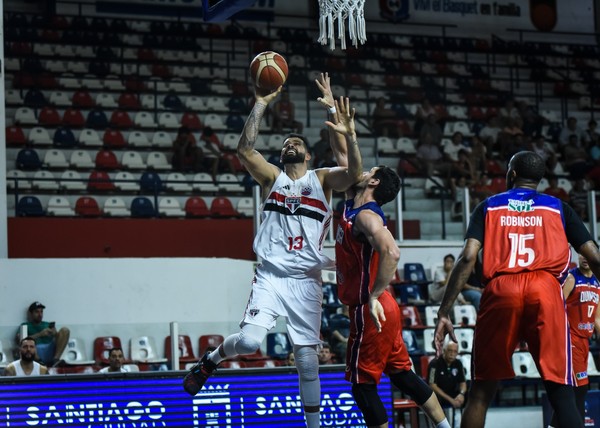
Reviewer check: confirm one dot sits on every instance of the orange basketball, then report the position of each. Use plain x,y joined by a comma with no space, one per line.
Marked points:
268,70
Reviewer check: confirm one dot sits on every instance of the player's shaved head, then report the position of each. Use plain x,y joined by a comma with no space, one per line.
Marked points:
527,166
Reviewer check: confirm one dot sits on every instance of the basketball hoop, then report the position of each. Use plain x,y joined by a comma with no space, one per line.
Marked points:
340,10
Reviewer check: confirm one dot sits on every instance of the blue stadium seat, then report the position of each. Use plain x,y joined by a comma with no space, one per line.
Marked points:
30,206
173,102
278,345
64,137
410,294
28,159
235,123
410,340
142,207
150,182
414,273
96,119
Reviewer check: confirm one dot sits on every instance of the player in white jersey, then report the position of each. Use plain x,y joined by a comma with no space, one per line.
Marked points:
287,283
26,366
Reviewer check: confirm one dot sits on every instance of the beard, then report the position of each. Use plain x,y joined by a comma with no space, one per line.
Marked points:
27,357
297,158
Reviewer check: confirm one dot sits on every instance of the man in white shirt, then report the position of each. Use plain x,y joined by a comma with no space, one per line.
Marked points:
115,360
26,366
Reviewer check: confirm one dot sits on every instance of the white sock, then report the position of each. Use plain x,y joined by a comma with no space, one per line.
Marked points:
443,424
313,420
215,357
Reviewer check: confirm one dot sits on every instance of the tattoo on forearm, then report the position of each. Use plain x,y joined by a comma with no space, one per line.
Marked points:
250,131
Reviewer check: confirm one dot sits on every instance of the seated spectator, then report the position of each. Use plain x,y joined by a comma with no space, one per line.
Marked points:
214,153
385,121
478,154
463,167
489,133
481,189
431,130
578,197
446,376
115,361
321,146
592,135
50,343
290,361
543,148
424,110
429,158
554,190
532,121
509,111
575,158
284,115
339,325
440,278
186,155
26,364
571,129
452,147
325,356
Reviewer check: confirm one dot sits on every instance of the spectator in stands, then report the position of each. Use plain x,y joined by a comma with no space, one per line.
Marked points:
50,342
328,160
325,356
284,115
429,158
554,189
489,133
424,110
509,111
452,147
440,278
478,154
543,148
510,144
214,154
481,189
592,136
26,364
186,155
532,121
446,376
321,146
115,361
385,120
578,197
290,359
431,130
572,128
575,158
339,325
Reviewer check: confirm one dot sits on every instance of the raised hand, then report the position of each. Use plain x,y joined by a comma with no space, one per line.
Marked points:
324,84
266,97
345,125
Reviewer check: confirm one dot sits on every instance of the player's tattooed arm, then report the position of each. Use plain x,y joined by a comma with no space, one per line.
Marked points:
258,167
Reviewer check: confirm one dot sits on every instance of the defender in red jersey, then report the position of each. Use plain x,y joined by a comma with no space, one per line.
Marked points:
525,236
582,291
367,258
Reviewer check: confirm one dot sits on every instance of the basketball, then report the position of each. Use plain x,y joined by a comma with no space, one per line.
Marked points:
268,70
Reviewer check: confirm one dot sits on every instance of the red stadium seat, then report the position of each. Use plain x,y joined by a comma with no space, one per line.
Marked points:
113,138
425,360
73,118
207,341
186,352
102,346
15,136
49,117
411,317
196,207
221,206
100,181
87,206
191,121
83,99
105,159
120,119
128,100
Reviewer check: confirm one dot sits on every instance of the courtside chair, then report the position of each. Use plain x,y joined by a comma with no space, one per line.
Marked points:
102,347
186,351
208,341
524,366
143,351
5,355
74,353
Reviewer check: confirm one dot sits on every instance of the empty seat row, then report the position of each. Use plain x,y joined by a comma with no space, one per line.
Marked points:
140,207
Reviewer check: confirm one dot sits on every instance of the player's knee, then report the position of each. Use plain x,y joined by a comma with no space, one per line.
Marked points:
369,403
307,362
411,384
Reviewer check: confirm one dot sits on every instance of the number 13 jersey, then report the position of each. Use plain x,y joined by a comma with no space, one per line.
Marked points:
295,219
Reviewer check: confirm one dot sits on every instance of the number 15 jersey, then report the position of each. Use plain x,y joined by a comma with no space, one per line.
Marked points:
295,219
526,231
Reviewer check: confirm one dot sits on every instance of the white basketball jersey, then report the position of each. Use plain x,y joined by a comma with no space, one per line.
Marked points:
295,218
19,370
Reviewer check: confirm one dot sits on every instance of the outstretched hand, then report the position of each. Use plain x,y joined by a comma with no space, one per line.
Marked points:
265,96
345,123
324,84
444,326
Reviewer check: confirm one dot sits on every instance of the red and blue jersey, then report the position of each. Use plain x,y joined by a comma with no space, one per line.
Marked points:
357,262
582,304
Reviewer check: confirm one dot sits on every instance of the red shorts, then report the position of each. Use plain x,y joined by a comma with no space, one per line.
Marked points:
527,306
371,353
580,348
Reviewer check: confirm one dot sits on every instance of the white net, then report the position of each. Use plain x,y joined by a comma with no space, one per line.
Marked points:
342,10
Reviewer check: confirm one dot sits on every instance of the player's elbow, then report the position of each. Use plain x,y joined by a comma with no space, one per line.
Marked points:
393,254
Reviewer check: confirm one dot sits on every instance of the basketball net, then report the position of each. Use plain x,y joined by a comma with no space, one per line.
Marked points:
340,10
